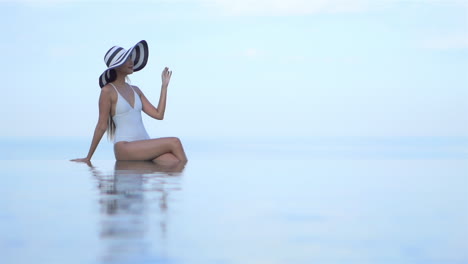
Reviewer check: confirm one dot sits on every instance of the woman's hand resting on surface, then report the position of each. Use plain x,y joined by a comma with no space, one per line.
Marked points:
84,160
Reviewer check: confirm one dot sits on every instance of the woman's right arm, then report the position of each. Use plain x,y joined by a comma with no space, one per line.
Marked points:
101,127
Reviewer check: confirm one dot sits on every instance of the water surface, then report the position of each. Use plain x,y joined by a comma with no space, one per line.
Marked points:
237,202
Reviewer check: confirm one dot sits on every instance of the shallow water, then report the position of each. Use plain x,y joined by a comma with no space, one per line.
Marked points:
366,201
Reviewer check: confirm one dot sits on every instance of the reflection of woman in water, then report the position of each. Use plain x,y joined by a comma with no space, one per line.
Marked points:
124,205
120,106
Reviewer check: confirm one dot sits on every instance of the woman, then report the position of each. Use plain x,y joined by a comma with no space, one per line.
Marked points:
120,106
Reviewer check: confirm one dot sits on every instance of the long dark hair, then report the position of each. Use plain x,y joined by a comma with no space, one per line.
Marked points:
110,121
110,128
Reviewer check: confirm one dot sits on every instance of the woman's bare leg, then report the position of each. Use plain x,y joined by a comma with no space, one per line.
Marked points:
149,149
167,157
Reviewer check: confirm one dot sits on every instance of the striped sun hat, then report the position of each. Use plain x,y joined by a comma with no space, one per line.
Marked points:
116,56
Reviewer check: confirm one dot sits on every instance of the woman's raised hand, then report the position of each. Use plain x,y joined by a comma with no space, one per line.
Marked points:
166,77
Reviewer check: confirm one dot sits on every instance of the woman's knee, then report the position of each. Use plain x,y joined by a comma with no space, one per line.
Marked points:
175,142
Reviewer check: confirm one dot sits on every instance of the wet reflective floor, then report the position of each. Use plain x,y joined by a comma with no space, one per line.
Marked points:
235,210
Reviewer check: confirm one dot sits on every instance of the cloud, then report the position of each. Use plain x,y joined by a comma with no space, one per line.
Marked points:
253,52
267,7
445,42
305,7
290,7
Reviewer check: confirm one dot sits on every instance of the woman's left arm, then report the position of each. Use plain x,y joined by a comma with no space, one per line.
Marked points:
148,108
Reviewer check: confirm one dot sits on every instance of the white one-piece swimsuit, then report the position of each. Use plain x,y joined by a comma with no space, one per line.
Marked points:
128,123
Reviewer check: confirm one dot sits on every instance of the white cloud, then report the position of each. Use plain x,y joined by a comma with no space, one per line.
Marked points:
305,7
453,41
253,52
268,7
290,7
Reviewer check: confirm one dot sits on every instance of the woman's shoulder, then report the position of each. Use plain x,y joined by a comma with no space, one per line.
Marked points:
108,90
137,89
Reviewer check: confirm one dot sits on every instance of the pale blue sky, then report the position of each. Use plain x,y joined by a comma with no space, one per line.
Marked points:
243,68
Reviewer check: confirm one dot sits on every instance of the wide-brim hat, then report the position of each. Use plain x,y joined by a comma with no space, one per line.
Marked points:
117,56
